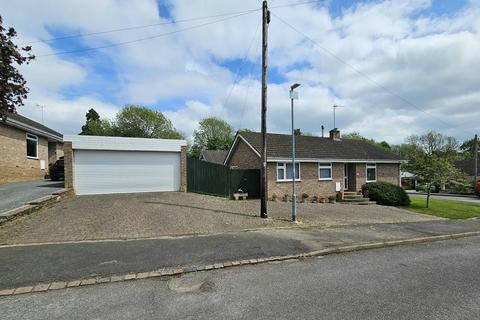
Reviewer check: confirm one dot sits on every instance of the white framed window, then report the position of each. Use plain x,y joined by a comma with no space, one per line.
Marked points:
32,146
285,171
324,171
371,172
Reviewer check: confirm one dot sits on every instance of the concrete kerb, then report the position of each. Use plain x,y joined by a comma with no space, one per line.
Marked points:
177,271
35,205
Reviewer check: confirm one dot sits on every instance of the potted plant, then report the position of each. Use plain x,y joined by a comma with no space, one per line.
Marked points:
332,199
274,197
304,197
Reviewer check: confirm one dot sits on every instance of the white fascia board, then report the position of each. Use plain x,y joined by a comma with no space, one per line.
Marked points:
124,144
33,130
335,160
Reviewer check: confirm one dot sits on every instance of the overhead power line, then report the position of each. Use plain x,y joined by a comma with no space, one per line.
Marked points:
85,35
117,44
358,71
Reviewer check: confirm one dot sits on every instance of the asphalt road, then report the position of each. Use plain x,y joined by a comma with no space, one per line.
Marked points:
13,195
427,281
32,264
469,199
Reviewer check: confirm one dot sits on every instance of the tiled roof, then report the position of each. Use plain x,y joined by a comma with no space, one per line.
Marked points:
215,156
467,166
311,147
34,124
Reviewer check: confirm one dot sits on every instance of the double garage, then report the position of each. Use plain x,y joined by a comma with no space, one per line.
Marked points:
102,165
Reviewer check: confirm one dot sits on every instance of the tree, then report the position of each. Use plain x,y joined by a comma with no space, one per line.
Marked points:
433,169
435,143
13,87
467,149
141,122
212,134
357,136
94,126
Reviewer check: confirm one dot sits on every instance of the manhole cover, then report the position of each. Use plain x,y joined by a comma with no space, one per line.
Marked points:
190,285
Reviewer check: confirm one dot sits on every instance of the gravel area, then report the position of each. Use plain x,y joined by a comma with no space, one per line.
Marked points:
129,216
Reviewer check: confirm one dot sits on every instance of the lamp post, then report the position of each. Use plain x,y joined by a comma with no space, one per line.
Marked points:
293,96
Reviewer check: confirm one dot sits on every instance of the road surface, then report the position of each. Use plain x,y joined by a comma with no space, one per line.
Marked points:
14,195
428,281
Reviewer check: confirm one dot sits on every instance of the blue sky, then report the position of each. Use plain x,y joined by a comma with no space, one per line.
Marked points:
189,75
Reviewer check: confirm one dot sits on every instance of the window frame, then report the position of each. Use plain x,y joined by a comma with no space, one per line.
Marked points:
325,165
31,137
370,166
284,165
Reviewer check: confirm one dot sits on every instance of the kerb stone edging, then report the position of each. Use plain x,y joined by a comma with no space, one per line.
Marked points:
169,272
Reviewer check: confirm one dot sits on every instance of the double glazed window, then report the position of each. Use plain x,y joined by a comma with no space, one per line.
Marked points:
371,172
324,171
32,146
285,171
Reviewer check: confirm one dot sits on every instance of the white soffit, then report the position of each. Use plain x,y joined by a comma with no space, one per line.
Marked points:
123,144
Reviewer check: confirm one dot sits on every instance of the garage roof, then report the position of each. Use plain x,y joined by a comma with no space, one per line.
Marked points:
124,144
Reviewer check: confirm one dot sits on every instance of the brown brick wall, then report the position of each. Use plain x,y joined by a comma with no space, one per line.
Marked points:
244,157
68,163
183,169
388,172
309,183
14,164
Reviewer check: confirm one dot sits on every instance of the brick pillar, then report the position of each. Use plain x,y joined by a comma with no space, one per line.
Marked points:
68,162
183,169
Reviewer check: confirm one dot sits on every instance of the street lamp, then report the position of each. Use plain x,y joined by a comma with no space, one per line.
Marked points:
293,96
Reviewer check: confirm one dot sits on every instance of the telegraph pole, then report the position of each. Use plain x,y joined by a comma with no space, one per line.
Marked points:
263,169
475,148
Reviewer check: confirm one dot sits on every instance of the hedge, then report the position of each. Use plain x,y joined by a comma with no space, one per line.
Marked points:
386,194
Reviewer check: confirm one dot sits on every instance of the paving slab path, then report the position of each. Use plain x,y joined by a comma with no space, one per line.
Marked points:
22,265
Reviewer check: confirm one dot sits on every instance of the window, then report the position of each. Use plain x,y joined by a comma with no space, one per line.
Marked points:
371,172
32,146
285,172
324,171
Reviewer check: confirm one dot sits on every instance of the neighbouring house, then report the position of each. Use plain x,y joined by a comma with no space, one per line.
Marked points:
468,168
102,165
324,166
27,148
409,181
214,156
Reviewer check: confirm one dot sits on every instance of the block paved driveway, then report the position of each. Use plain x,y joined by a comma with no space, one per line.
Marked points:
133,216
13,195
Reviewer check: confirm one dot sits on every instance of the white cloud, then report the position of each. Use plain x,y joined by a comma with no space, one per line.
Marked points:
429,60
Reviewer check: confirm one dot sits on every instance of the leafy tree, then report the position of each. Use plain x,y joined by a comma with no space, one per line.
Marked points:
435,143
13,87
433,169
141,122
212,134
94,126
467,149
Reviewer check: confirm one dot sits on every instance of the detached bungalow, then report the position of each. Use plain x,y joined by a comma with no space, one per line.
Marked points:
325,165
27,148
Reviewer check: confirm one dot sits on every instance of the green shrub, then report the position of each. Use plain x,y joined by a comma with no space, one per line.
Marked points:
386,194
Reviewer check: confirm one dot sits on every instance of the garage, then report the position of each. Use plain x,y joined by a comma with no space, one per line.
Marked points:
103,165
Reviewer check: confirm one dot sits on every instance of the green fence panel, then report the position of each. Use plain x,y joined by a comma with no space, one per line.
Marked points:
219,180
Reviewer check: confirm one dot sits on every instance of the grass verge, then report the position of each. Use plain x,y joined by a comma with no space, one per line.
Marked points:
444,208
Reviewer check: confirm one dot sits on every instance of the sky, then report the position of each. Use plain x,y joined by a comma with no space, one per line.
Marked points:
399,67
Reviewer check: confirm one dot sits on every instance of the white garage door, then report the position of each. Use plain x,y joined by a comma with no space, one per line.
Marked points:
99,172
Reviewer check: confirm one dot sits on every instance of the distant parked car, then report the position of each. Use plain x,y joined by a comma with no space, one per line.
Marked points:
57,170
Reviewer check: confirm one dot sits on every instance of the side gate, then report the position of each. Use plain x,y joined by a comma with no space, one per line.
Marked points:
219,180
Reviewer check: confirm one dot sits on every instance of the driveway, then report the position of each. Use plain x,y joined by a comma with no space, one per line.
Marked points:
148,215
13,195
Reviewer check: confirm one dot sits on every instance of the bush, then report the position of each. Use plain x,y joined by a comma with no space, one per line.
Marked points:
386,194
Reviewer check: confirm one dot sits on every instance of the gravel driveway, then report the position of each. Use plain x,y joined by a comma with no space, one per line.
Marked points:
130,216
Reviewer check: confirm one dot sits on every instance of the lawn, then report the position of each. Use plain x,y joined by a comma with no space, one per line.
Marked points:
445,208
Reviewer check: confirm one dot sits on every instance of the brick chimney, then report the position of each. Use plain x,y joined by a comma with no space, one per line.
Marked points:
335,134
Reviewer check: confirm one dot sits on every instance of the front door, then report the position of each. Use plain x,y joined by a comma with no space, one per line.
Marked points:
345,176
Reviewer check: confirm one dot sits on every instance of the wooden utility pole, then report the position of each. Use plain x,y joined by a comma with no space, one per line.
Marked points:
263,168
475,149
